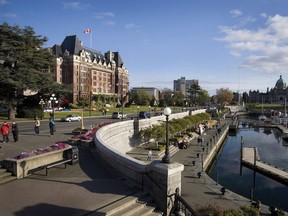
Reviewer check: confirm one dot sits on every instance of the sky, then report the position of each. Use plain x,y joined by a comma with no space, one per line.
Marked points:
239,45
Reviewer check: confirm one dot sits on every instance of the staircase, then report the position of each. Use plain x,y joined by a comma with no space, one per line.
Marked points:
5,176
135,204
141,154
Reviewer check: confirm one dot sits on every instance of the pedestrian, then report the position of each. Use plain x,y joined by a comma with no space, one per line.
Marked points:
37,126
52,126
149,156
5,131
15,131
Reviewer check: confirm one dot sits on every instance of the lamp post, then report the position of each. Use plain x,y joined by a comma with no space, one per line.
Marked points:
137,111
149,112
42,103
53,101
166,158
42,106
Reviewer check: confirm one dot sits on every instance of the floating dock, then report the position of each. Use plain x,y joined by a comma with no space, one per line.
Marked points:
251,159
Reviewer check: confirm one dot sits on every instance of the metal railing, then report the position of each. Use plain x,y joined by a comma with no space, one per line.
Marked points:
180,206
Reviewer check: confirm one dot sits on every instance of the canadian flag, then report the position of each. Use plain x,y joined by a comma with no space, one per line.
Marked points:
88,31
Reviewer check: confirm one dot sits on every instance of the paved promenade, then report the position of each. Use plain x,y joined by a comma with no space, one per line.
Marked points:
90,185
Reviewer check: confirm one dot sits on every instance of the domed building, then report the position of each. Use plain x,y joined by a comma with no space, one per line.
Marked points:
273,95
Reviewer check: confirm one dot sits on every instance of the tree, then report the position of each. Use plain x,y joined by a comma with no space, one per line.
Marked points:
224,96
203,98
198,96
24,64
140,97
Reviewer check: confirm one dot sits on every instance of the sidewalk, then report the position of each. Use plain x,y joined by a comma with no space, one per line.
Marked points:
203,191
89,185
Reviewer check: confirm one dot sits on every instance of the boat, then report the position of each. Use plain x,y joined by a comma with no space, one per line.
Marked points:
262,117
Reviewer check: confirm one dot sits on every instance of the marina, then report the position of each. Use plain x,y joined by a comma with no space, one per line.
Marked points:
250,158
271,151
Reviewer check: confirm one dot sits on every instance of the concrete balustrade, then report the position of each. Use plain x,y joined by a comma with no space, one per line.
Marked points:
114,140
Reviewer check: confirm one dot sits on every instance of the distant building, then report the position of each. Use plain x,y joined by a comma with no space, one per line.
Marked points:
184,85
89,71
273,95
151,92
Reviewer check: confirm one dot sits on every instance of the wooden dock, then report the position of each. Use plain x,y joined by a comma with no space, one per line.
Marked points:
248,159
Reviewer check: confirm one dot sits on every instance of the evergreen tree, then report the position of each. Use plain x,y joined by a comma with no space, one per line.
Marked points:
24,65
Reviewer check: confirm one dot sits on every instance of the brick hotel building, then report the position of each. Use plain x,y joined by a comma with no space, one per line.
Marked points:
89,71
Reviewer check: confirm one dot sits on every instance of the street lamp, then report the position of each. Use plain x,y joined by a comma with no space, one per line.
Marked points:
149,112
42,103
53,101
138,111
42,106
166,158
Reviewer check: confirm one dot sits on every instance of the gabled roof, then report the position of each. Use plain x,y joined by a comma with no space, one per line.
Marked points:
72,44
118,60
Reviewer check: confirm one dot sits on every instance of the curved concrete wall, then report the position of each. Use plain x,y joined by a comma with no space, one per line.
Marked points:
114,140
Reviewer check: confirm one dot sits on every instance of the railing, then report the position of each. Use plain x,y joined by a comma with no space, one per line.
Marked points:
181,206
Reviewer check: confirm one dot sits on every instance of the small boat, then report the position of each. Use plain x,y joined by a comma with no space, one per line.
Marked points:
262,117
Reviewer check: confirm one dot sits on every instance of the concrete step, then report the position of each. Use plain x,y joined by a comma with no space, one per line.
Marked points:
135,204
119,204
4,174
7,179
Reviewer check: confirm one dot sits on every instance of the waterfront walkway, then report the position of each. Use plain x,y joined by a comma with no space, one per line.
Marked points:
90,185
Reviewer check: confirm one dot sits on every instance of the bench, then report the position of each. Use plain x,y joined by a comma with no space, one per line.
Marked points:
57,163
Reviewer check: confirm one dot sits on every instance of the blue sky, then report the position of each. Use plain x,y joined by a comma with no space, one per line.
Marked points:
240,45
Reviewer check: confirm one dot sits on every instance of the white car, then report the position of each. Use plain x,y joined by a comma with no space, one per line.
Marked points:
48,110
118,115
70,118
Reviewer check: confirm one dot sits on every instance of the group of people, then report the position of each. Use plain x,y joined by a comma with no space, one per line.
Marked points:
5,129
52,126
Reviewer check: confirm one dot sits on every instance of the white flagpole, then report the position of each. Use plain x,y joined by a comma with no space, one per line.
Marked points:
91,39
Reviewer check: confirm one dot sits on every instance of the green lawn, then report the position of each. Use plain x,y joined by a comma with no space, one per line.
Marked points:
85,113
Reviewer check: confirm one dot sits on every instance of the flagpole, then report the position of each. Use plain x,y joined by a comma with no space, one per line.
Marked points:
91,39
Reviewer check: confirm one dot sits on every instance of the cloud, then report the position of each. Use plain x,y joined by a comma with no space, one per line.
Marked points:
236,13
9,15
74,5
262,49
102,15
109,23
131,26
3,2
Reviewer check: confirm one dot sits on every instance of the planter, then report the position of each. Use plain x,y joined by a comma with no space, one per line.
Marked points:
24,164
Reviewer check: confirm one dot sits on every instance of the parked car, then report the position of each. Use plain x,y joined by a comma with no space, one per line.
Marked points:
143,114
70,118
119,115
65,109
48,110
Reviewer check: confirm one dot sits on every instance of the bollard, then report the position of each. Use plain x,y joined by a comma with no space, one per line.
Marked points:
223,190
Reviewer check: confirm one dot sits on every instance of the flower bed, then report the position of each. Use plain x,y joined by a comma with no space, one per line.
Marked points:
54,147
89,135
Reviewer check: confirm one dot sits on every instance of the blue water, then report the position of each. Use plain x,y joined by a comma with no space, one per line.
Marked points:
272,149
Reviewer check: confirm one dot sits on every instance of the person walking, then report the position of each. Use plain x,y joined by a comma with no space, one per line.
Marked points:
52,126
15,131
149,156
37,126
5,131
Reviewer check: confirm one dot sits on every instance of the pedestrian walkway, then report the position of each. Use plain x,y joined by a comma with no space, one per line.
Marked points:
90,185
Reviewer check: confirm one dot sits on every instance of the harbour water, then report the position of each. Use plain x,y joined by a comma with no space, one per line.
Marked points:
272,149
